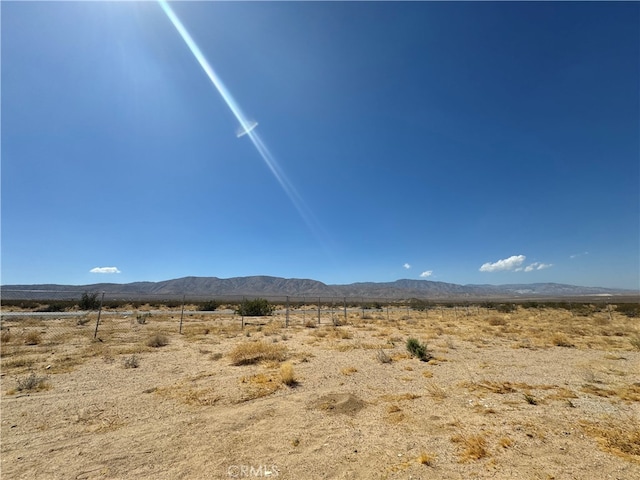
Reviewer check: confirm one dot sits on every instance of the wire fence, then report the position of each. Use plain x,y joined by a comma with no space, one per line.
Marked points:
41,317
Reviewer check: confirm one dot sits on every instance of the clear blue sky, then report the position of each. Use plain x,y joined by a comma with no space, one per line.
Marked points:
464,142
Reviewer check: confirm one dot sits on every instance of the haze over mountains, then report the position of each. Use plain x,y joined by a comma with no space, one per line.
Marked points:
276,286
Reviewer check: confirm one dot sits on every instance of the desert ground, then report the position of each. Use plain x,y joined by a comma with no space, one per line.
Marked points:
535,393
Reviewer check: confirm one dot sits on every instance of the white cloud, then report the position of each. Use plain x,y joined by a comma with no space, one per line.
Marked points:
105,270
537,266
576,255
510,263
407,266
426,274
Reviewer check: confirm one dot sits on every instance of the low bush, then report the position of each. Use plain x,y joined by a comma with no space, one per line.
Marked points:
209,306
259,307
287,375
32,382
131,362
631,310
418,350
158,340
32,338
89,301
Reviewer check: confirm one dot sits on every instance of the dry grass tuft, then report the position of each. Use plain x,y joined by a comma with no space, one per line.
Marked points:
561,340
249,353
505,442
617,436
436,391
427,459
157,340
32,338
382,357
287,374
348,370
258,386
475,447
5,336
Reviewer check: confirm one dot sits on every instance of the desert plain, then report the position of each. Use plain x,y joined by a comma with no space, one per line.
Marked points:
532,393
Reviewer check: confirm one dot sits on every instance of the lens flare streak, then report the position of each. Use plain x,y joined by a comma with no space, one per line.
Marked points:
247,127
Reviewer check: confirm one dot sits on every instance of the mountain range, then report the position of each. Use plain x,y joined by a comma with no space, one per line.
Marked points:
210,287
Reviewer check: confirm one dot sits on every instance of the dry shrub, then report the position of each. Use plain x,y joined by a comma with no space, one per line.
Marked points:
340,333
158,340
561,340
253,352
427,459
203,397
32,382
287,374
496,321
383,357
32,338
311,324
348,370
620,437
475,446
436,391
131,362
5,336
635,342
258,386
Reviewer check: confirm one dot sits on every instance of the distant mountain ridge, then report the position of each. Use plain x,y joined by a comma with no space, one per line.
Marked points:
294,287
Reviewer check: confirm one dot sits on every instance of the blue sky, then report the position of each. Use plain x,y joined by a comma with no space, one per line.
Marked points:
457,142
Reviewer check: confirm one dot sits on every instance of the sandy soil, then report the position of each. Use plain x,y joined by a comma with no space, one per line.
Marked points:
536,394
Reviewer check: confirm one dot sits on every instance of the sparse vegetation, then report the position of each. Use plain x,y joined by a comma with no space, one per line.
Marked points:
131,362
89,301
210,306
475,446
418,350
31,382
631,310
383,357
248,353
259,307
287,374
427,459
158,340
32,338
477,395
5,336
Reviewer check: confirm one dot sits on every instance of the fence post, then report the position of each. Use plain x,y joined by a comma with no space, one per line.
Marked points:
95,334
182,314
344,300
286,322
318,310
242,312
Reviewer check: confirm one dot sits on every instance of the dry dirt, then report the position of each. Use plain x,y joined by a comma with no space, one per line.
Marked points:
535,394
